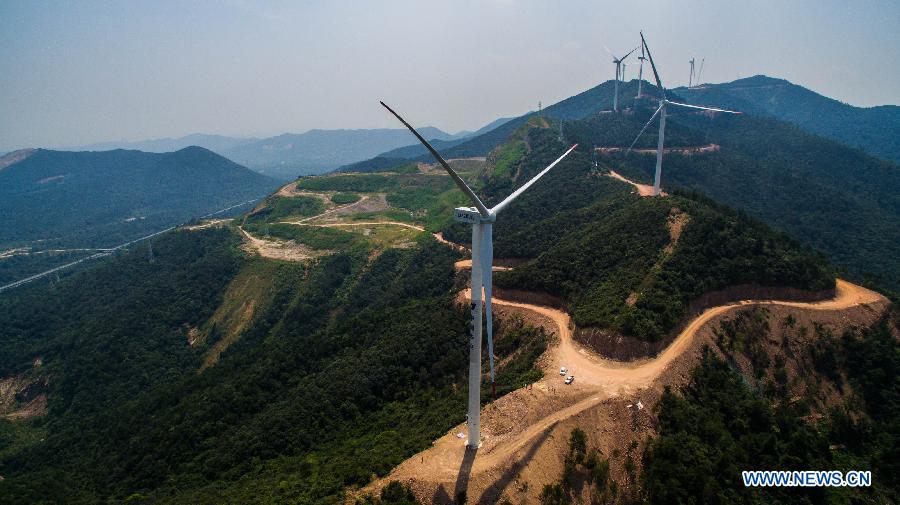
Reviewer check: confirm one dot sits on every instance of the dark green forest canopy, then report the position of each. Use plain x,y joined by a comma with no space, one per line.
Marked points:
357,361
354,365
875,130
835,199
589,240
101,199
718,426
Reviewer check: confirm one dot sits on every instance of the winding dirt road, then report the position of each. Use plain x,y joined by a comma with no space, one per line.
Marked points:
598,379
642,189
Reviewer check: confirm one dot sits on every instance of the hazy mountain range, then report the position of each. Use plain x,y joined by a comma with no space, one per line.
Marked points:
875,130
288,155
98,199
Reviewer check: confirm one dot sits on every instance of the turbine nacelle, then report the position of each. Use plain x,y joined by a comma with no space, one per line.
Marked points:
471,215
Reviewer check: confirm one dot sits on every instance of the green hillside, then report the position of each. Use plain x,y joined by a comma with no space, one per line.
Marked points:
604,251
875,130
255,380
72,200
836,199
100,198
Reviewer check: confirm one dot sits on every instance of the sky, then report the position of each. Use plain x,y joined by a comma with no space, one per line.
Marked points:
73,73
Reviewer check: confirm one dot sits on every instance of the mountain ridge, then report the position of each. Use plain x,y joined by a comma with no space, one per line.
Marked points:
870,129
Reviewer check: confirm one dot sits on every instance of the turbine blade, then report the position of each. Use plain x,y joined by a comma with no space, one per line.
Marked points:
487,263
703,108
456,178
655,73
643,129
629,54
500,206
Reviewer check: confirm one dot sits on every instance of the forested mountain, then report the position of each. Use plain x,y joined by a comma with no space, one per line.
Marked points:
100,199
286,156
603,257
834,198
875,130
207,375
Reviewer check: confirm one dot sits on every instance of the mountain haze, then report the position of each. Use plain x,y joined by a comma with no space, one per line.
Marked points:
215,143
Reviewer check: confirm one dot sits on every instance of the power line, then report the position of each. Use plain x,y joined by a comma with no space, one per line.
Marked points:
107,252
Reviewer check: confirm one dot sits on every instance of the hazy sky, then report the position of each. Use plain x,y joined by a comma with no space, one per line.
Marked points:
78,72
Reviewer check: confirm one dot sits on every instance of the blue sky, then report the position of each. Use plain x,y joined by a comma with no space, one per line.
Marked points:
79,72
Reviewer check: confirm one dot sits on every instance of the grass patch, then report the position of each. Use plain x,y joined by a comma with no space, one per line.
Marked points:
507,157
345,198
278,208
399,215
247,295
366,183
317,237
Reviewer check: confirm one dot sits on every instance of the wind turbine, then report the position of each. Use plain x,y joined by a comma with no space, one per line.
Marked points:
640,70
618,62
482,220
699,72
691,78
661,111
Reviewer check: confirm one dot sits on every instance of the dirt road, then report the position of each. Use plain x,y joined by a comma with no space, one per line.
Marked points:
642,189
370,223
516,423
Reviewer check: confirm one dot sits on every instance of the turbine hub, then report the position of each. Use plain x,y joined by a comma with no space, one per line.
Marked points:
471,215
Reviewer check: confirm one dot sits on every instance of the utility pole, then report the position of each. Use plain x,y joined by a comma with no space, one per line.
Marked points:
150,251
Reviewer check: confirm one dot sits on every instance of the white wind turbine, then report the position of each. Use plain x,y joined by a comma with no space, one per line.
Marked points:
699,73
691,77
618,63
481,218
661,111
641,58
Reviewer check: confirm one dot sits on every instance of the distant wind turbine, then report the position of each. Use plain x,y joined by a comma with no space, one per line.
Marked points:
699,72
661,112
691,78
482,220
618,63
640,71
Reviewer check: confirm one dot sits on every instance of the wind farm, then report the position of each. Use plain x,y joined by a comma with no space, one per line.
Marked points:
661,112
436,261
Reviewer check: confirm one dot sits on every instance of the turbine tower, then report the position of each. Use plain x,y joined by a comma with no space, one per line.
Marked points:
640,71
661,112
699,72
618,63
691,78
482,220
